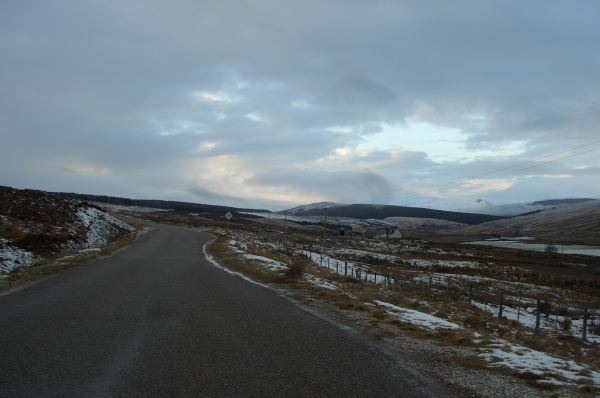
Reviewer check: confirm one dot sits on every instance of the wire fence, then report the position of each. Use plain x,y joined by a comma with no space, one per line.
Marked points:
540,311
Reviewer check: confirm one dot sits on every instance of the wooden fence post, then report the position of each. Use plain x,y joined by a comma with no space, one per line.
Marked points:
470,294
537,315
500,308
584,325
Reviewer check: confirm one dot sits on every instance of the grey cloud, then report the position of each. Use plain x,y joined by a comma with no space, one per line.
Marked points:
344,186
358,90
98,81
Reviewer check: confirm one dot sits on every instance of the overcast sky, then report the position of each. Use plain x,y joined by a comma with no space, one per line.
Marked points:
277,103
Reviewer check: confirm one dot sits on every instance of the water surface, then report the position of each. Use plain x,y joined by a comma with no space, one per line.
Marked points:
540,247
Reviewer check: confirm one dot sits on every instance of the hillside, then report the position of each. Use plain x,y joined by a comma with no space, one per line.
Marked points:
516,209
576,222
36,224
369,211
160,204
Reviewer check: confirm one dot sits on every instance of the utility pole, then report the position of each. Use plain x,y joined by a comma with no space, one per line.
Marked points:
325,230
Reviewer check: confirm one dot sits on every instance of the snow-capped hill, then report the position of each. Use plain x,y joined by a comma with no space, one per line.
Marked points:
380,212
514,209
311,207
36,225
578,223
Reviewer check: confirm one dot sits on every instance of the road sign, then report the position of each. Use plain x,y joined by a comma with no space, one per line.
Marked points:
228,216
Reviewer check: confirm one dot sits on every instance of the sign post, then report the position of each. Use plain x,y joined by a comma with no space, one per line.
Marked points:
228,216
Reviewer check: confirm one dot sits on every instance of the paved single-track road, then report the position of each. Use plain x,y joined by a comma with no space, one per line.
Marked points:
158,320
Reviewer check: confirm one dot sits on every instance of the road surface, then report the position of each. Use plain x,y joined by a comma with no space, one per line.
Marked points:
159,320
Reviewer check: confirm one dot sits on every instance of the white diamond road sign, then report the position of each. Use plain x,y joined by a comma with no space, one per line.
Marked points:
228,216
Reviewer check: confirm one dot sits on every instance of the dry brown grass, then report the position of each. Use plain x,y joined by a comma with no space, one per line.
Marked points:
57,263
221,251
443,302
10,231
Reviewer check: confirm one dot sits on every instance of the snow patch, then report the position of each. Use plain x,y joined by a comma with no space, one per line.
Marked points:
320,282
12,257
550,369
266,262
214,262
101,227
417,318
417,262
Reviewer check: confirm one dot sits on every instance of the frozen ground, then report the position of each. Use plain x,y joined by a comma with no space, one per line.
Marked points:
320,282
266,262
89,230
100,227
547,368
417,317
417,262
12,257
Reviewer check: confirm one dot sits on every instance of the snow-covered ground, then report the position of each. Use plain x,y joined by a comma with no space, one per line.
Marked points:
501,353
320,282
12,257
273,265
418,262
366,254
357,259
266,262
353,269
549,369
417,317
101,227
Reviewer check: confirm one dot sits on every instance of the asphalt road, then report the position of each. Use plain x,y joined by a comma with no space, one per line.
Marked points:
158,320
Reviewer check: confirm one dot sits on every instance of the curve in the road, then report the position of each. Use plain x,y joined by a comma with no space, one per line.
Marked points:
158,320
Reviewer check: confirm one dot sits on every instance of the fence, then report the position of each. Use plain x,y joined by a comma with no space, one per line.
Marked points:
534,310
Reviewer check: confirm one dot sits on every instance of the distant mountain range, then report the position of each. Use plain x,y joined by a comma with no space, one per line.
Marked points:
486,212
514,209
370,211
161,204
571,221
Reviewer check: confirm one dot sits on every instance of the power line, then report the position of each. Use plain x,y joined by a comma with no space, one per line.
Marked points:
556,160
536,162
537,159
